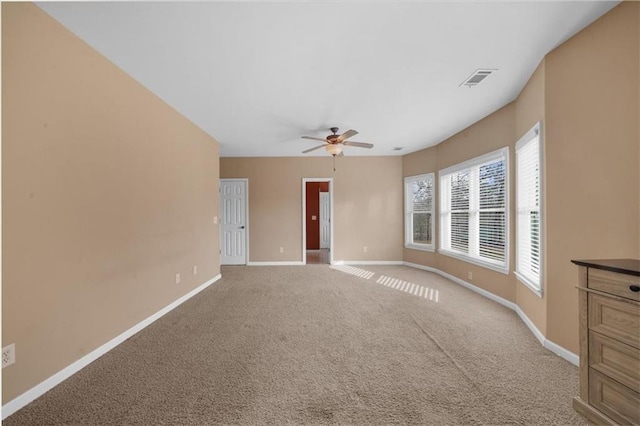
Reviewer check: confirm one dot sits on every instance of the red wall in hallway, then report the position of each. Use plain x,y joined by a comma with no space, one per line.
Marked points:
313,209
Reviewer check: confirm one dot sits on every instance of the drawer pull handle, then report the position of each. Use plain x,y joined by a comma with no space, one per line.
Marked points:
634,288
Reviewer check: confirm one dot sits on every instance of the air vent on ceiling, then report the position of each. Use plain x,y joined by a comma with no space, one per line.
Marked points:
475,78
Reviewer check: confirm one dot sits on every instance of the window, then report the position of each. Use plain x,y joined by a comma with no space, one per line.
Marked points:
528,219
418,209
473,211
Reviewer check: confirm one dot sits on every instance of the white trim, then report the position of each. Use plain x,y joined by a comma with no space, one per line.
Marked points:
535,131
367,262
525,281
546,343
423,267
490,156
48,384
562,352
501,153
304,218
536,332
531,133
283,263
408,211
246,213
421,247
483,292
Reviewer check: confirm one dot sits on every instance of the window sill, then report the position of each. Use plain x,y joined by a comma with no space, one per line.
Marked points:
474,261
421,247
527,283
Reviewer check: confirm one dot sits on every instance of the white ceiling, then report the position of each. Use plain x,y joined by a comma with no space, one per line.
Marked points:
256,76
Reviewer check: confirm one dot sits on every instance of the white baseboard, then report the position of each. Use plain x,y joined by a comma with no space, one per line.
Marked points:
483,292
285,263
38,390
548,344
562,352
536,332
367,262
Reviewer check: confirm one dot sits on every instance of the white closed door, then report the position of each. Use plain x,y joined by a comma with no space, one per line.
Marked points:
233,222
325,221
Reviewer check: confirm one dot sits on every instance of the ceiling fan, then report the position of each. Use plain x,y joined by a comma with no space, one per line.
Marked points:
335,143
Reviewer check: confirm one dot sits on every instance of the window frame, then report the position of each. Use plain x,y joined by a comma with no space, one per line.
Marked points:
408,212
475,163
534,133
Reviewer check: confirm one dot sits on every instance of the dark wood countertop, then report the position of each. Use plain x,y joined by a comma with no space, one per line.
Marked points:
622,266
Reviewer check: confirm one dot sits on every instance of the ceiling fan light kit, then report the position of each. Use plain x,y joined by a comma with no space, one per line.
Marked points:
333,149
335,143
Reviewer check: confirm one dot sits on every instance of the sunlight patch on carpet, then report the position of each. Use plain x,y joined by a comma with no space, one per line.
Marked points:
411,288
358,272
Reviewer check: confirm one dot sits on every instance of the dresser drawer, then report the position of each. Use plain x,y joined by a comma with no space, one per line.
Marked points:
619,361
613,283
617,401
615,318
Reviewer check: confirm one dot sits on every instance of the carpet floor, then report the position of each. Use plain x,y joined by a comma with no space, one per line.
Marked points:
322,345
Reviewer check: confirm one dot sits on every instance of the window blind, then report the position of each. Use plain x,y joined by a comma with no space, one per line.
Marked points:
528,220
473,213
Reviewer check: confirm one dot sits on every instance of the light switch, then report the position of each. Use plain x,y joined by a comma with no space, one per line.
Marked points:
313,218
215,220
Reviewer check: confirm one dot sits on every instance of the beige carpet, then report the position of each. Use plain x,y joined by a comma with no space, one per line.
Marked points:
318,345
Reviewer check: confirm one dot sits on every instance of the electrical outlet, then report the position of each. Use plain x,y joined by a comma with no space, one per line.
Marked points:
195,270
281,249
8,355
470,275
177,278
364,249
215,220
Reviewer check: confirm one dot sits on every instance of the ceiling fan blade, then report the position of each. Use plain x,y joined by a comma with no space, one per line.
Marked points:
314,138
314,148
359,144
347,135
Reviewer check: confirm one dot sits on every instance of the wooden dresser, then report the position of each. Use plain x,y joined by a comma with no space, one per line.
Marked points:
609,306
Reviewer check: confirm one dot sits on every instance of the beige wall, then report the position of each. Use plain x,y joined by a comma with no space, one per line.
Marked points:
489,134
530,108
592,158
367,205
414,164
107,194
586,93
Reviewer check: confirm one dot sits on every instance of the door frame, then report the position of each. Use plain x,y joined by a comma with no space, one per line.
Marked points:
304,217
320,215
246,213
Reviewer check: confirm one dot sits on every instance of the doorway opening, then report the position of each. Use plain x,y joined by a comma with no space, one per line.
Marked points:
317,221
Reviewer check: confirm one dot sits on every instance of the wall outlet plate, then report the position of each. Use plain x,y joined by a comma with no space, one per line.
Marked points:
177,278
195,270
8,355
